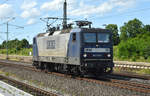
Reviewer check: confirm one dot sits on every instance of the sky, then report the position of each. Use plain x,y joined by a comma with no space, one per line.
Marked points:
27,14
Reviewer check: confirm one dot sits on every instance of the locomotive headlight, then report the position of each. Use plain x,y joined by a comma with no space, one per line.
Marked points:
85,55
108,55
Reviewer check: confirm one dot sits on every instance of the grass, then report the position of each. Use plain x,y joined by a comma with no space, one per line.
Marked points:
132,70
7,74
141,59
143,71
21,52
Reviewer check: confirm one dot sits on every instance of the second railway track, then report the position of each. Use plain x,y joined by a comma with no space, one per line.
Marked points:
33,90
123,84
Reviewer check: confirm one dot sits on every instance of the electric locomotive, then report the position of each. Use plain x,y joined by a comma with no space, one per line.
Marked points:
81,50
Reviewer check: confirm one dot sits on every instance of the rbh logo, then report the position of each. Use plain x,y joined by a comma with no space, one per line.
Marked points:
51,44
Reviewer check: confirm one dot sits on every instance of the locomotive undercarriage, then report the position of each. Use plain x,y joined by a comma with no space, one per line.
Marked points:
77,70
98,67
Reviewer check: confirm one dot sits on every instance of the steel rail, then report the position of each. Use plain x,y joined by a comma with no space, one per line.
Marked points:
118,74
36,91
134,66
122,85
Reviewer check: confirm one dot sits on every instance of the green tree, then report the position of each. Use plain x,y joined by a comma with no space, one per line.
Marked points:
16,44
24,43
4,44
114,29
131,29
146,29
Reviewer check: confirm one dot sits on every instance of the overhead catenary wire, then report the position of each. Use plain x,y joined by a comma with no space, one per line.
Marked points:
7,32
16,26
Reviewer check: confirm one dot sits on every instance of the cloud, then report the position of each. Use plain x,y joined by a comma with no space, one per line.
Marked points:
123,3
56,5
30,11
31,21
105,7
53,5
28,4
34,12
6,10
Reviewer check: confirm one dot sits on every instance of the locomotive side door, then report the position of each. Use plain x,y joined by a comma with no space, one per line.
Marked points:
74,45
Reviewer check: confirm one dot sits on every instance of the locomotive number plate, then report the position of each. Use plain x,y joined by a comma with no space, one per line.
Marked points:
96,49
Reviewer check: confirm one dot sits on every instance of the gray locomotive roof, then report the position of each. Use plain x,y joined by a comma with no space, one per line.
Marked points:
94,30
89,30
75,30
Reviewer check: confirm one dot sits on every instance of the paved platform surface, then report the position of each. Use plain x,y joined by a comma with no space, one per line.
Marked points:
8,90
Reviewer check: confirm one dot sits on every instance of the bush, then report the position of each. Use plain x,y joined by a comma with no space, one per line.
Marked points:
134,48
22,51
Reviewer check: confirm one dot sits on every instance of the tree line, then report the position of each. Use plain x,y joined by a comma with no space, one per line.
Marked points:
17,47
133,42
17,44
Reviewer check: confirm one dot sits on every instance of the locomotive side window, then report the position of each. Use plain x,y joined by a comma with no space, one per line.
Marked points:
51,44
74,37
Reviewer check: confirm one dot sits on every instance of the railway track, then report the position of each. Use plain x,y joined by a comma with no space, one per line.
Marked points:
134,65
133,86
123,84
129,75
28,88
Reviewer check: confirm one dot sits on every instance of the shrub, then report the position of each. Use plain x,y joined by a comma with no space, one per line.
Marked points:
22,51
134,48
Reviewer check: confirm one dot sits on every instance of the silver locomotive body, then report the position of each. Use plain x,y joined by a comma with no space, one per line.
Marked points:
72,51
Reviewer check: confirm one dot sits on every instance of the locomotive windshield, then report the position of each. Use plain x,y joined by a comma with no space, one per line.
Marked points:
103,37
90,37
96,37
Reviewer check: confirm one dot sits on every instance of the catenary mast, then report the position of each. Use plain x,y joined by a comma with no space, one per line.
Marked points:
65,15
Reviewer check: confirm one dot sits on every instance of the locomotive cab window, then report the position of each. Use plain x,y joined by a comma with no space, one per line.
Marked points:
74,37
103,37
90,37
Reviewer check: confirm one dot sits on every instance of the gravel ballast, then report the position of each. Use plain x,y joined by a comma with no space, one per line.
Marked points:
66,86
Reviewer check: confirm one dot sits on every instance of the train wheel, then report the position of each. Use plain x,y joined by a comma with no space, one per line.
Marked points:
66,69
81,71
35,64
45,67
51,67
41,65
75,70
